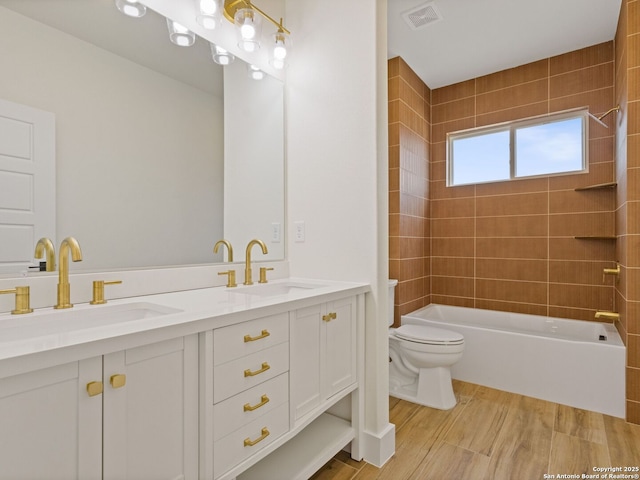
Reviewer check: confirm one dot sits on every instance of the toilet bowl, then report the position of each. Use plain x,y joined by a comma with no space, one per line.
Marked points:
420,363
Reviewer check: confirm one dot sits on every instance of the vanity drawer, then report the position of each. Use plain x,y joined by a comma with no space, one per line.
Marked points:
242,339
235,412
246,372
244,442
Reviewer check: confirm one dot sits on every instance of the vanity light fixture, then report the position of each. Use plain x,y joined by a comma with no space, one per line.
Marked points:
220,55
179,34
208,13
280,49
131,8
249,27
245,16
254,72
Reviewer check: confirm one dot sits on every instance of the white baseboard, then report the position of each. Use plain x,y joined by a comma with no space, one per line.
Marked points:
379,447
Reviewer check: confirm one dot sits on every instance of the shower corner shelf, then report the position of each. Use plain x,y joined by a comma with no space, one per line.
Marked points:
599,186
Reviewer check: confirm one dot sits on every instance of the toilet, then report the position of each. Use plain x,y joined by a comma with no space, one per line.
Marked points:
421,357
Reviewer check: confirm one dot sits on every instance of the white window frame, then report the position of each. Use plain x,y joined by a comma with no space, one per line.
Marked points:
512,127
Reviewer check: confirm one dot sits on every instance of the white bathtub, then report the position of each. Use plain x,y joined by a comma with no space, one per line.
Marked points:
571,362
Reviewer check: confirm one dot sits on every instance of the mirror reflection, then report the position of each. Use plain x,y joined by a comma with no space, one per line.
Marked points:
154,160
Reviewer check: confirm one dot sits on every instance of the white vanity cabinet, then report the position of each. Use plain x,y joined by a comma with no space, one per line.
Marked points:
323,353
246,390
150,423
125,415
50,427
293,435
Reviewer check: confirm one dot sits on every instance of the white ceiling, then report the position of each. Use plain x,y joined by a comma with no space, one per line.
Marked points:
478,37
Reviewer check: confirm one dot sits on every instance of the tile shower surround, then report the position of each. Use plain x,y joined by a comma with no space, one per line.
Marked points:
510,245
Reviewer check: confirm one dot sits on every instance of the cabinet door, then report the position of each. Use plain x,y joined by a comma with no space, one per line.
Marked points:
51,427
339,345
305,368
151,412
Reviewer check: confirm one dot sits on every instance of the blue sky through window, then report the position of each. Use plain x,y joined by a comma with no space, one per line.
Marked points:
550,147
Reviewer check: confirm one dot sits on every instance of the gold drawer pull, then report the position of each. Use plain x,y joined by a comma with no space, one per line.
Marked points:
249,373
249,338
94,388
250,443
118,380
263,401
329,317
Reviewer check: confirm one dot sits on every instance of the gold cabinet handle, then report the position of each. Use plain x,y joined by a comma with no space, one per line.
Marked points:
249,338
330,316
250,443
249,373
94,388
250,408
118,380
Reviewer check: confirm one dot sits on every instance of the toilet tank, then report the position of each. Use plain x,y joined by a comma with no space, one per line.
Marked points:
392,291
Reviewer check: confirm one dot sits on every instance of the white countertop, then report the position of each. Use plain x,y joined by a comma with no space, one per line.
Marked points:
66,335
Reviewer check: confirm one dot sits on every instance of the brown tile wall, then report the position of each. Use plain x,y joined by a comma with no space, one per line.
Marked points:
627,148
409,112
511,245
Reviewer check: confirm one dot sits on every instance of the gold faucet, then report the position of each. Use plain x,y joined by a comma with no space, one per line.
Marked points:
45,244
247,268
64,289
227,243
607,315
612,271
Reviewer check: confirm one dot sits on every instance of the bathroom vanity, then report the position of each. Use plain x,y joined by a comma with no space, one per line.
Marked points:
261,381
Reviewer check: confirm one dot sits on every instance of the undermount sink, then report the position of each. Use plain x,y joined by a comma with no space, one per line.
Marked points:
273,289
56,322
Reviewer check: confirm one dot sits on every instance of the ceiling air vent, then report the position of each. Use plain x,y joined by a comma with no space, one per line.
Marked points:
422,15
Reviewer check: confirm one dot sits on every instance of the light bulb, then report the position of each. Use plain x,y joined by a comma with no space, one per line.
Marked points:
208,7
131,8
279,52
221,56
207,13
179,34
255,73
280,49
248,31
248,27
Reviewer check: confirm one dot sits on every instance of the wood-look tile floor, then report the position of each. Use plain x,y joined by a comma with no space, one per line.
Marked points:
495,435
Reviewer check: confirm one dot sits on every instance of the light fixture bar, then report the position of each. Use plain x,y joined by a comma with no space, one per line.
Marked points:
230,7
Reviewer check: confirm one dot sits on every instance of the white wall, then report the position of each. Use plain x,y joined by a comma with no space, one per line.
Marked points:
337,170
253,170
135,150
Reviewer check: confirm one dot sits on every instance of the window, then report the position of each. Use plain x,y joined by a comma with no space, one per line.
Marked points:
549,145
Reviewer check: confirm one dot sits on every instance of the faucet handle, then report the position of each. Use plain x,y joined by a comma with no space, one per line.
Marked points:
22,300
231,282
98,291
263,274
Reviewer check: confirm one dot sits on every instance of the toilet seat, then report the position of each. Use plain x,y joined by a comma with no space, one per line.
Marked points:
428,335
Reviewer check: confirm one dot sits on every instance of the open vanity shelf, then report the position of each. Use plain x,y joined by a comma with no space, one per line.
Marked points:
313,447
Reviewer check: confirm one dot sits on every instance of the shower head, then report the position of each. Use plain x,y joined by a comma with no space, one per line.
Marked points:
596,119
599,119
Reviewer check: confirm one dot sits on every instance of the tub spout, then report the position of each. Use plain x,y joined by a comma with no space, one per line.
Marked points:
607,315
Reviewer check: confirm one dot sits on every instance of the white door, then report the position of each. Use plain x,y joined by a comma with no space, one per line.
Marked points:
27,183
